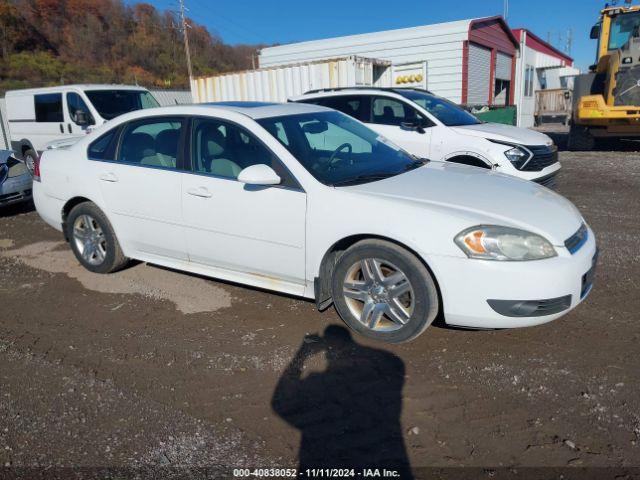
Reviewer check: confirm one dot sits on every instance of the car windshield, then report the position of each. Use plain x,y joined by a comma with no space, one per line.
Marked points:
623,27
447,112
338,150
111,103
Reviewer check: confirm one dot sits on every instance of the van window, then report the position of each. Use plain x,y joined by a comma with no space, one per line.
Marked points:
75,103
152,143
49,107
111,103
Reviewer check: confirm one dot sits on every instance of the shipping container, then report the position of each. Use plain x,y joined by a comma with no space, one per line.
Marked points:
278,83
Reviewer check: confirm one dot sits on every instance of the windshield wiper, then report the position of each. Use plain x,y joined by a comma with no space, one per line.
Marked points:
417,163
371,177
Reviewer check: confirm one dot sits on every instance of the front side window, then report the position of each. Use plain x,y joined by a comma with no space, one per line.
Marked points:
224,149
75,104
337,150
151,143
49,107
444,110
387,111
112,103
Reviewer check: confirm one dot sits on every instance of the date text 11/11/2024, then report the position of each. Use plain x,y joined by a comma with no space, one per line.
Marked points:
316,473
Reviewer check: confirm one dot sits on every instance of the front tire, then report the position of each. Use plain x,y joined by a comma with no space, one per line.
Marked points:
93,240
384,292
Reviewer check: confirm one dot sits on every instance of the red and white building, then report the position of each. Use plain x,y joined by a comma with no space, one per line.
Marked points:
467,61
540,66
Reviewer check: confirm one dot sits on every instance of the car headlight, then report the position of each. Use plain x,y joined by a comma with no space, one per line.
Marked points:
517,156
492,242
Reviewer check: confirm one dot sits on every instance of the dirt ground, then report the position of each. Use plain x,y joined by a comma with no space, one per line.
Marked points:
150,367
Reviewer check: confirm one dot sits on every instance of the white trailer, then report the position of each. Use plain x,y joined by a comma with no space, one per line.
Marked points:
278,83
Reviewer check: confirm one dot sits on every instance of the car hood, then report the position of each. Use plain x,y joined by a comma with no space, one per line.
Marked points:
482,197
504,133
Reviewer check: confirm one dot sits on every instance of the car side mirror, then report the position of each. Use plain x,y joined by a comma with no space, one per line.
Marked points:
260,174
82,118
415,125
595,32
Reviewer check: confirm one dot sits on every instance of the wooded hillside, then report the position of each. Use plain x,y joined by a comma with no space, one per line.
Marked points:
49,42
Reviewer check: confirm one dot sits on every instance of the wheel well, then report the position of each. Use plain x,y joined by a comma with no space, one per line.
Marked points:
469,160
67,209
322,283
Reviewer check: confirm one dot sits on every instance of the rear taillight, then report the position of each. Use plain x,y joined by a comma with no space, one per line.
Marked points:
36,169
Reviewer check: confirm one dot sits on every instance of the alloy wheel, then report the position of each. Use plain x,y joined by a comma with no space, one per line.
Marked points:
89,239
378,294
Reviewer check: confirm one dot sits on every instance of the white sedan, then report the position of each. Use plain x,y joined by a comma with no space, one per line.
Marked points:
308,201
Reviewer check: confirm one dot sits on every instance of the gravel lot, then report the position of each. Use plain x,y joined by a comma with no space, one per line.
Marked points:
150,367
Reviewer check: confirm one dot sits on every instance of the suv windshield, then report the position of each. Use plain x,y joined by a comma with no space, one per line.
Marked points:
447,112
338,150
622,28
111,103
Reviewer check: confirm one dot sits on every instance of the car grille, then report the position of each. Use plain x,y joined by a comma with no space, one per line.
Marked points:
575,241
4,170
548,181
543,156
14,197
589,277
530,308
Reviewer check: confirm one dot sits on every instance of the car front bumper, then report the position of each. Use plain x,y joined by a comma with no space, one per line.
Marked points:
16,189
469,287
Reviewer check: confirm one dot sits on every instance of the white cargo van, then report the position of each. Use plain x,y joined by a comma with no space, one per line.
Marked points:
38,116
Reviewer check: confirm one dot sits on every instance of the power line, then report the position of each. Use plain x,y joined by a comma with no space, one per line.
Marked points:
185,36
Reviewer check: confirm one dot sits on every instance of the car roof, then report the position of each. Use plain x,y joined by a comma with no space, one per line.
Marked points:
80,86
335,92
257,110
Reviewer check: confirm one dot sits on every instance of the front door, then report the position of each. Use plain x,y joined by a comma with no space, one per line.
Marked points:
254,230
142,187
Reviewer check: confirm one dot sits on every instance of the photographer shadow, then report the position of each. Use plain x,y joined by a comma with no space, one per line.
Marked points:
348,414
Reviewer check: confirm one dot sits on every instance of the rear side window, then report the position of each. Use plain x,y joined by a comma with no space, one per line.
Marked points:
151,143
356,106
49,107
103,148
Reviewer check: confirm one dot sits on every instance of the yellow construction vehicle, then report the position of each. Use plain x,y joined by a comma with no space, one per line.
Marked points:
606,101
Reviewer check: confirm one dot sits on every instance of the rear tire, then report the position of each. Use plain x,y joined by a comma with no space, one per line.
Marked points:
384,292
93,240
580,139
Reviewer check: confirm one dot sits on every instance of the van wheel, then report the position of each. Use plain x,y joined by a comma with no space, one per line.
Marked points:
384,292
30,157
93,240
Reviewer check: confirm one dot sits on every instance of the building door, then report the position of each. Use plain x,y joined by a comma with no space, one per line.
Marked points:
479,85
502,86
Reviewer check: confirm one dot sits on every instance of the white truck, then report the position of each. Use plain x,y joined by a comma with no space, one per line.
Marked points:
39,116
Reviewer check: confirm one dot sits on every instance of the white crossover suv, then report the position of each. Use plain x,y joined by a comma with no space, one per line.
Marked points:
305,200
432,127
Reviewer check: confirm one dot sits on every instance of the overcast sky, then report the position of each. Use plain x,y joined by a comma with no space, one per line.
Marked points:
286,21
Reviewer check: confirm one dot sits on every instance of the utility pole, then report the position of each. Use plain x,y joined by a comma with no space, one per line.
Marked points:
569,41
506,9
185,36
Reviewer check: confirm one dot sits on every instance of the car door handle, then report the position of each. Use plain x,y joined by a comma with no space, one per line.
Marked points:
108,177
199,192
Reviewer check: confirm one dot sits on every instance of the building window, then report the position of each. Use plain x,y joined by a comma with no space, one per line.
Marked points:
529,73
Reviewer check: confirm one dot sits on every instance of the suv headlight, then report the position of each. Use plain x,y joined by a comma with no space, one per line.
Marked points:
517,156
492,242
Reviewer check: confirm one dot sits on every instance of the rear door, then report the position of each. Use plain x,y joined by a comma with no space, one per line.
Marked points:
141,186
388,116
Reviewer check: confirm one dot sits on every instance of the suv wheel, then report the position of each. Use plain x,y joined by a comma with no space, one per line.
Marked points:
384,292
92,239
